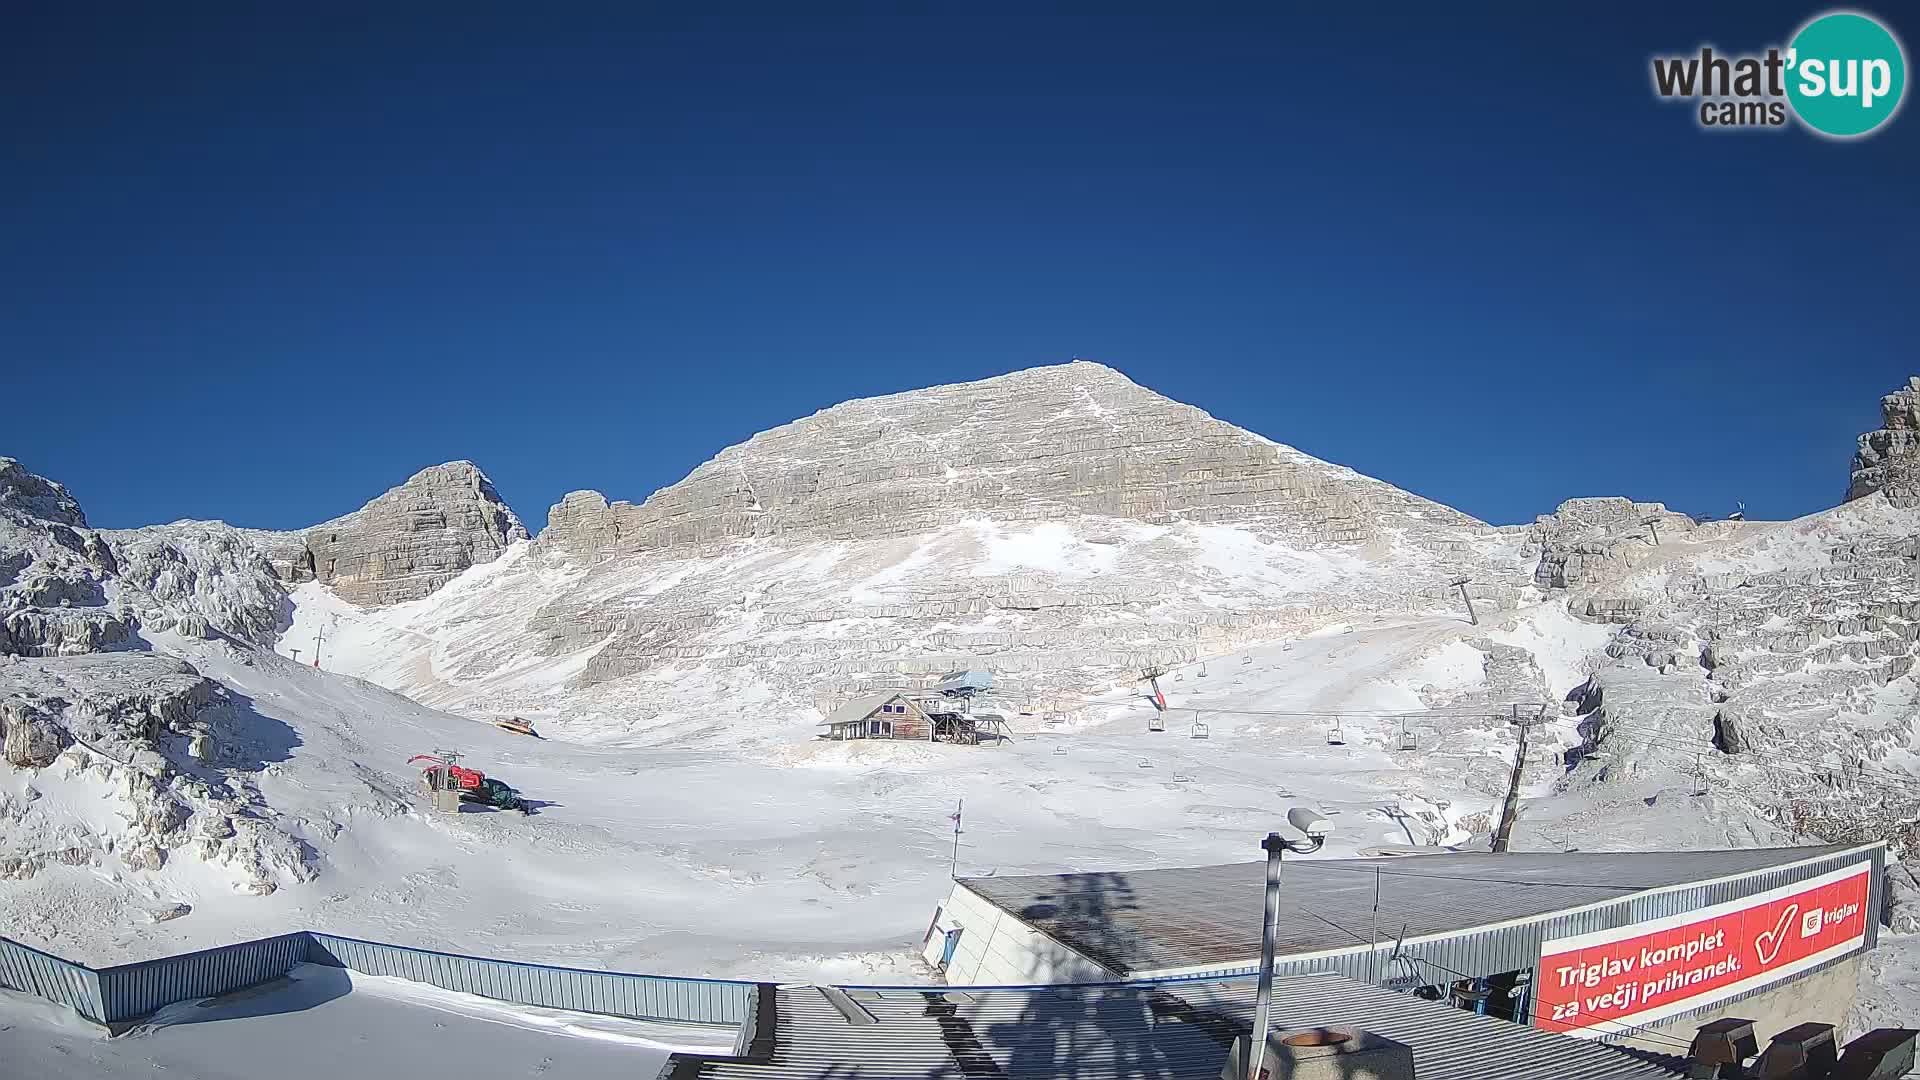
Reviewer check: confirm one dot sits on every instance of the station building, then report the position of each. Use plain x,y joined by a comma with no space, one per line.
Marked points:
1614,946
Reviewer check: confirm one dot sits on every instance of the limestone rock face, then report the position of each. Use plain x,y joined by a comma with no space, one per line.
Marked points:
117,703
54,572
1774,666
1061,526
1888,459
201,577
37,497
1589,541
406,543
78,686
29,736
1037,445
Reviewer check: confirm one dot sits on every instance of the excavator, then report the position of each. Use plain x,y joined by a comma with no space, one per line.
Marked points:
441,774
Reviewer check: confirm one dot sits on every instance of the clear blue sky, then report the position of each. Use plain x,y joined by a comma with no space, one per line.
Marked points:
262,265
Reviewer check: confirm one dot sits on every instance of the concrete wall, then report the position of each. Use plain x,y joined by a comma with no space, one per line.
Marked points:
996,949
1826,996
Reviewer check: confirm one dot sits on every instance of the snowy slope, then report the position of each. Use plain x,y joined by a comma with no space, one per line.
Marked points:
788,861
751,643
678,656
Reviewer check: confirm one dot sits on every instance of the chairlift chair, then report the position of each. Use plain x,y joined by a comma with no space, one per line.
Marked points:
1157,722
1199,730
1407,739
1336,737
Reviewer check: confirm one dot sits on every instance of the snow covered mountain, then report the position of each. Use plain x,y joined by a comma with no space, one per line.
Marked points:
1694,683
1061,526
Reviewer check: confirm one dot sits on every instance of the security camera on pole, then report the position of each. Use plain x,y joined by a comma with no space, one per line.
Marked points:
1316,829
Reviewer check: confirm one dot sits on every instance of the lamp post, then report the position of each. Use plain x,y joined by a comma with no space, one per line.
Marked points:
1316,828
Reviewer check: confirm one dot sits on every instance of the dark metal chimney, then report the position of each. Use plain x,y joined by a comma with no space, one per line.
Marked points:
1802,1052
1719,1048
1880,1054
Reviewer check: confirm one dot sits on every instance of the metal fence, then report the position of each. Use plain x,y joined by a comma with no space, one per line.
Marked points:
128,992
131,991
641,997
44,975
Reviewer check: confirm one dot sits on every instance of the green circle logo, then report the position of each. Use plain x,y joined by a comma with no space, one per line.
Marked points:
1845,74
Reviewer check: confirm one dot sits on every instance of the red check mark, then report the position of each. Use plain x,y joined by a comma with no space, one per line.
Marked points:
1767,945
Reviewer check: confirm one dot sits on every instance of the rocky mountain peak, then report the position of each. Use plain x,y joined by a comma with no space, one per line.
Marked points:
1042,444
54,571
36,496
1888,458
405,544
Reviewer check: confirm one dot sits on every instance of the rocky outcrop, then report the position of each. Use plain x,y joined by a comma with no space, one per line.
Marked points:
1043,444
119,705
33,632
125,720
1586,542
406,543
1780,677
1060,525
199,577
75,688
37,497
54,572
1888,459
30,736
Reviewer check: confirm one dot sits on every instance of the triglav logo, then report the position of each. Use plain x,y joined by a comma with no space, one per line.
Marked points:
1843,75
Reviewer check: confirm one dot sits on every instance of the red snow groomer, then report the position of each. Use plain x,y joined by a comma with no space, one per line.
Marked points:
440,773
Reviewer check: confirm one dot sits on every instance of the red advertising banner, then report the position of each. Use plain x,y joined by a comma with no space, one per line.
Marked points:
1596,984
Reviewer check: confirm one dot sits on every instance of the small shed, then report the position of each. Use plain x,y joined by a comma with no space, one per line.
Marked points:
890,714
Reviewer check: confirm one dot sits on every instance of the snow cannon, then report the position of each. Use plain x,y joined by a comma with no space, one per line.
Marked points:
451,784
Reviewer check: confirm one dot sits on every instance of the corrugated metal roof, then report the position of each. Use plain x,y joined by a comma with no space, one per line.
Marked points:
969,681
1154,920
859,708
1141,1033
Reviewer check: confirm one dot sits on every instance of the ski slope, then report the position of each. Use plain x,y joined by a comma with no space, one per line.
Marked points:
806,859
